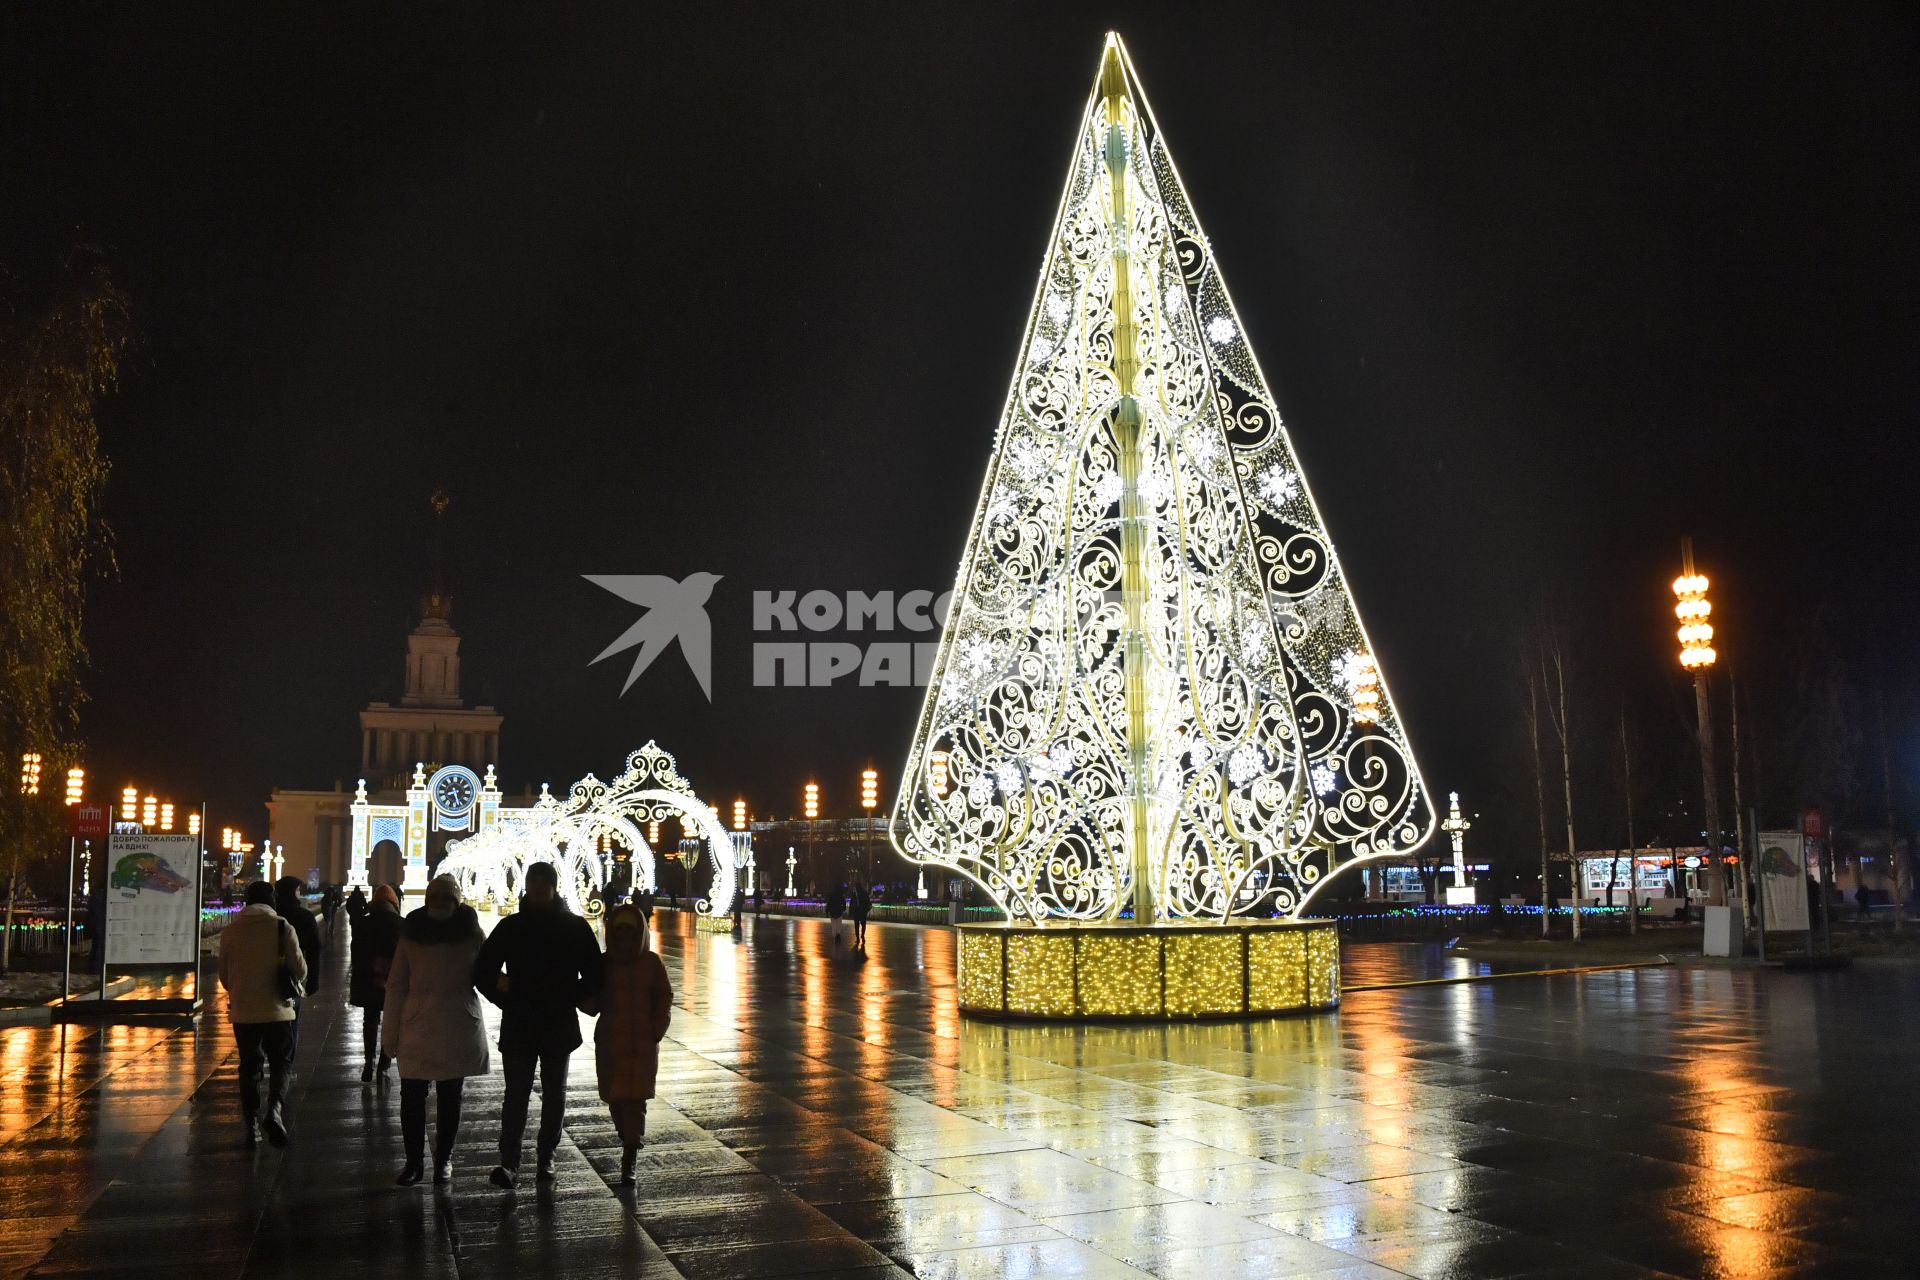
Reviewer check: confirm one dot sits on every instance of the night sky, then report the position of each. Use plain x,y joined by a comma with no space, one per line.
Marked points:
1540,288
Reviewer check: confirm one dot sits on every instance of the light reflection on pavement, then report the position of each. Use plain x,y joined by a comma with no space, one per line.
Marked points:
824,1113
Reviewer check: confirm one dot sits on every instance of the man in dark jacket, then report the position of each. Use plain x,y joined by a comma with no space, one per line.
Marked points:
287,901
552,962
356,905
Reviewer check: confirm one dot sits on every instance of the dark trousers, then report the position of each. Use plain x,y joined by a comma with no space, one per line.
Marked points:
370,1034
268,1044
413,1117
553,1102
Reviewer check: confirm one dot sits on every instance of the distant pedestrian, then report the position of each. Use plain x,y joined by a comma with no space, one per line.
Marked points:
644,901
261,969
552,963
356,905
1863,899
862,908
287,901
330,905
635,1005
376,935
432,1024
837,907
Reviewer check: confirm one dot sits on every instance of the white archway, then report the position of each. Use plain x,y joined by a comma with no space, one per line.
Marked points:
492,863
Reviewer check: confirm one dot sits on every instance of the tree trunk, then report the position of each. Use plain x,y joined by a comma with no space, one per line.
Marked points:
1633,856
1566,777
1540,801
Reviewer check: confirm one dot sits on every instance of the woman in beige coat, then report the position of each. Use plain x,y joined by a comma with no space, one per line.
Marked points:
432,1024
635,1005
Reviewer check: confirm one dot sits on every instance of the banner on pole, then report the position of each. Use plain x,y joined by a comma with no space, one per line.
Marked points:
89,821
1783,879
153,909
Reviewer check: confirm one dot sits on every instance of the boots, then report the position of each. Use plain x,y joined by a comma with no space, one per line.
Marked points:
275,1124
627,1159
366,1070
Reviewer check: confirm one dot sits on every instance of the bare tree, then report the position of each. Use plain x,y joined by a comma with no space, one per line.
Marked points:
1535,677
1554,681
1633,849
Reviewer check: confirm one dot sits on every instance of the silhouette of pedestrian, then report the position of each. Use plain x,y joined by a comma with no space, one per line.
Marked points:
635,1005
837,907
376,935
261,969
551,964
862,908
287,901
432,1023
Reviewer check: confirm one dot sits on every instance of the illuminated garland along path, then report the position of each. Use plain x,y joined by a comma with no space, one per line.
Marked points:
1153,692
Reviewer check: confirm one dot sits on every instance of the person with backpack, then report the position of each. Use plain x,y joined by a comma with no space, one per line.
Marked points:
376,936
261,970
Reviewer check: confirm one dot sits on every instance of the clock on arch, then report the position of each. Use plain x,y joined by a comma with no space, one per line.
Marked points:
455,790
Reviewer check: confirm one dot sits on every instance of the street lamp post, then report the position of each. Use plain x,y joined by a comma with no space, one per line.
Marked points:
813,814
869,797
1697,656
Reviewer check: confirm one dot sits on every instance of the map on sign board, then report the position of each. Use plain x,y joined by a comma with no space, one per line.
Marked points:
153,909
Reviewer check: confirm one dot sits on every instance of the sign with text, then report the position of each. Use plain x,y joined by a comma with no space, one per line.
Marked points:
1783,879
89,821
153,901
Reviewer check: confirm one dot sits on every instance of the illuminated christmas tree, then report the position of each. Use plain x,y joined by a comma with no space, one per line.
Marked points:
1153,692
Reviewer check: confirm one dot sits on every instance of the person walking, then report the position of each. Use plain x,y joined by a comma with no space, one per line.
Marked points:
635,1005
261,969
837,907
287,901
356,905
330,906
862,908
432,1023
376,935
552,964
1863,899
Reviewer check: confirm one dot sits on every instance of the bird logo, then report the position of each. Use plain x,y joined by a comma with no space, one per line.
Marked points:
674,611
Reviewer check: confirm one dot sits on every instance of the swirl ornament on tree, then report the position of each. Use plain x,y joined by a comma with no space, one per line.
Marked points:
1153,697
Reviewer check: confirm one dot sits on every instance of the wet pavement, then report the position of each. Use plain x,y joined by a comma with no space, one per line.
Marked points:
825,1114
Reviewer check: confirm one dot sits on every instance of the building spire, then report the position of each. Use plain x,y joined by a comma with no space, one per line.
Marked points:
437,604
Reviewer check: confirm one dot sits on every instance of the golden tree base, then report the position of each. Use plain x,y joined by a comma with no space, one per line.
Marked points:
1168,972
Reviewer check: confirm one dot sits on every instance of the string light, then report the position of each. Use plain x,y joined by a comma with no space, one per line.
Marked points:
1161,433
30,773
1188,972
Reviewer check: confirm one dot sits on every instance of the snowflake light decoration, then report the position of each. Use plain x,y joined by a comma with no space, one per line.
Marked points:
1146,699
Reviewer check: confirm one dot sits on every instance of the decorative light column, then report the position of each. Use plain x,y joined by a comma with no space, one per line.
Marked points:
812,811
1460,892
1697,657
791,862
869,797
